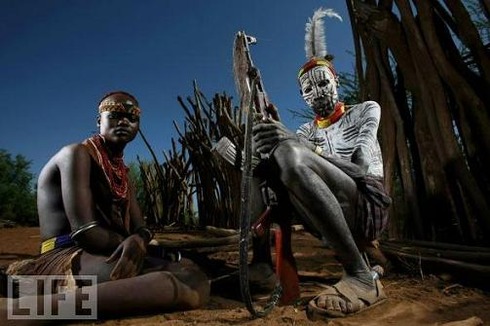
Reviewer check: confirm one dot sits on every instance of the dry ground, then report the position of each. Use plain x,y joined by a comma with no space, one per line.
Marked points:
412,300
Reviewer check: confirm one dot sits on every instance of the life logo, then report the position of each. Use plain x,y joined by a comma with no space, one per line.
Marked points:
52,297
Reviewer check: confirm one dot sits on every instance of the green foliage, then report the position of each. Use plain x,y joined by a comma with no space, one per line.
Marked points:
17,197
137,181
349,88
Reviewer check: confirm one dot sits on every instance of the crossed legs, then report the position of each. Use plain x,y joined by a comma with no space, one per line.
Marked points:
162,286
167,286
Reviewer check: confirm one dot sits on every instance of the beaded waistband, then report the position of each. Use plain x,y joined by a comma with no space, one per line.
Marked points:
56,242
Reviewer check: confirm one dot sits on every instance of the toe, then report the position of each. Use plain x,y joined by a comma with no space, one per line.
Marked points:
322,302
334,304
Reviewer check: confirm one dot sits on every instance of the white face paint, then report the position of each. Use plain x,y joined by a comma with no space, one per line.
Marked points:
319,90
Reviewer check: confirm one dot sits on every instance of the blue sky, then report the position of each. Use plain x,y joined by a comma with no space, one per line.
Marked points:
58,57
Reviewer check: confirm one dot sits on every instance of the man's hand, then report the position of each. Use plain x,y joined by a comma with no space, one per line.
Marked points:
129,257
268,133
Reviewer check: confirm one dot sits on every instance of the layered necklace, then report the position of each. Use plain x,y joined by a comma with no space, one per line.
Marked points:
115,171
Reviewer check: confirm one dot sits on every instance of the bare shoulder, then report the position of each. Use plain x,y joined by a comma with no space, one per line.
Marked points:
364,109
372,105
68,155
73,153
366,105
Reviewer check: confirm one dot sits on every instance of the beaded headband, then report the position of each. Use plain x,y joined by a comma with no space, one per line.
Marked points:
315,62
127,106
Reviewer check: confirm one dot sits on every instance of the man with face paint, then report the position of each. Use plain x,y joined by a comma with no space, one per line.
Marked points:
330,174
318,87
91,224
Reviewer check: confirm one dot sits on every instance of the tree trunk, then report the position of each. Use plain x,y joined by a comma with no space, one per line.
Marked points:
435,131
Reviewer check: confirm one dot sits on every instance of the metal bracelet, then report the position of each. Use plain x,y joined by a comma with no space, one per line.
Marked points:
145,233
83,228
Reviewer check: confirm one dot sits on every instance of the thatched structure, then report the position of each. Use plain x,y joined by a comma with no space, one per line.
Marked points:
194,174
426,63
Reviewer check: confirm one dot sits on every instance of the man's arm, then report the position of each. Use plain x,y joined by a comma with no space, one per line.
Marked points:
370,116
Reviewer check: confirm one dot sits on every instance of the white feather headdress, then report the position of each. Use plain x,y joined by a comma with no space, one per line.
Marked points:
315,43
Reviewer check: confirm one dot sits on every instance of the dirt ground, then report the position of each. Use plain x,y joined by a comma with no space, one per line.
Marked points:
412,300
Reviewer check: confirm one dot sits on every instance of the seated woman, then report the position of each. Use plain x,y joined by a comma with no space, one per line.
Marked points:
91,224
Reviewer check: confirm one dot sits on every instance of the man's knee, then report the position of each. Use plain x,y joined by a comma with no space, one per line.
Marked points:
290,158
288,150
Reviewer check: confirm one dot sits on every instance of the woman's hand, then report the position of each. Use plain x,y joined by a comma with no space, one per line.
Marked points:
129,257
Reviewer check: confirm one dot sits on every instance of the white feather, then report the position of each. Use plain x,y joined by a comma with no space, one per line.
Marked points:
315,43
